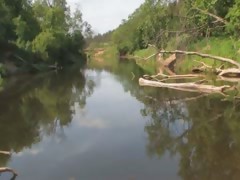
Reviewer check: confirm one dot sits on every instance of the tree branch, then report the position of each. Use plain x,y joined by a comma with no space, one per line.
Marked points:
231,61
6,169
212,15
5,152
193,87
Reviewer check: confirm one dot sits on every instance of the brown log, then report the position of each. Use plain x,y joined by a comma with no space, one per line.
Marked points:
193,87
231,61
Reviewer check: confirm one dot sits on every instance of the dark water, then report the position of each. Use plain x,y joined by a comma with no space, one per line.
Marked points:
98,124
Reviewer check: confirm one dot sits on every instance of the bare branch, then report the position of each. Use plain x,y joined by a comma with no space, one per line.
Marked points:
212,15
7,169
231,61
5,152
192,87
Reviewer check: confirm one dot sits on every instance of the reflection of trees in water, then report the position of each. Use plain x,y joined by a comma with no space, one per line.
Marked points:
41,108
205,133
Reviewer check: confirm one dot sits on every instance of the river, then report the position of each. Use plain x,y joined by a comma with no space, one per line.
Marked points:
97,123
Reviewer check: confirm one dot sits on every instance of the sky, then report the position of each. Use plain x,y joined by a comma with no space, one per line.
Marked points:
105,15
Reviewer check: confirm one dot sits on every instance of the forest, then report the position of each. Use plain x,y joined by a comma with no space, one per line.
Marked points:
160,22
39,35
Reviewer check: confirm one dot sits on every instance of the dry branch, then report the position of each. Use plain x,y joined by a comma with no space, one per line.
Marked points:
149,57
178,76
212,15
193,87
170,60
228,79
231,72
231,61
6,169
5,152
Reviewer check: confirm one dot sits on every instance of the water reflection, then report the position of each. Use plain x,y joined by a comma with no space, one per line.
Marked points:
204,133
30,110
98,123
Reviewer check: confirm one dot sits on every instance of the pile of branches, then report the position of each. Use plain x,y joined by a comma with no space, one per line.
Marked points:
160,80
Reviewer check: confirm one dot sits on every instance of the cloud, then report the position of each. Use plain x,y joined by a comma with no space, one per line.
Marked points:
105,15
32,151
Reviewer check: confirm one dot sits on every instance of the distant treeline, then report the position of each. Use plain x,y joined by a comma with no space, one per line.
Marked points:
157,22
41,32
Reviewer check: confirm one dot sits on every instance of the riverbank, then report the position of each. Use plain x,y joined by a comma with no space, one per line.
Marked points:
224,47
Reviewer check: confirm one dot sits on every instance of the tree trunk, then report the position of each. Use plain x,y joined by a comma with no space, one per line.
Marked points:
191,87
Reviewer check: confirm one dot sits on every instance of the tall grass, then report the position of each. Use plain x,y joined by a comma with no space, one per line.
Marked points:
224,47
148,65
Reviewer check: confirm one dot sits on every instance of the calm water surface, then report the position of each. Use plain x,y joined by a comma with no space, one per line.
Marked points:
98,124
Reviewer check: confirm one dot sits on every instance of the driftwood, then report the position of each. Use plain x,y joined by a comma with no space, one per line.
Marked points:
160,80
206,67
6,169
172,77
177,76
228,79
171,59
192,87
231,72
226,60
5,153
164,65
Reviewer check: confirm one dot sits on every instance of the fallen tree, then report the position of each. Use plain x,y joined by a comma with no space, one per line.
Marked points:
189,86
226,60
160,80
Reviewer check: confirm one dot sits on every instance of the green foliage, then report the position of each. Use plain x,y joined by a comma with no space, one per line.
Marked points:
158,22
41,102
149,66
41,43
234,16
46,31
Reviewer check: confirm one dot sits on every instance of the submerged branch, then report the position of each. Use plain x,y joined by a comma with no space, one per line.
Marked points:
177,76
7,169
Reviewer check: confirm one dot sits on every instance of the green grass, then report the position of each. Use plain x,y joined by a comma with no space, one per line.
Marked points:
145,52
224,47
109,59
148,65
110,52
